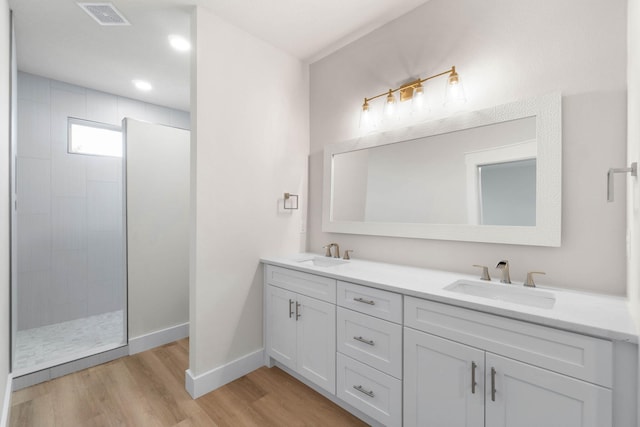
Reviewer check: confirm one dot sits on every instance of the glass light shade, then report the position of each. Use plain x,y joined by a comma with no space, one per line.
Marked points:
419,101
454,90
390,106
367,121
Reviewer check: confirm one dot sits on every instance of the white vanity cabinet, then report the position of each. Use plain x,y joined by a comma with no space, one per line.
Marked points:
398,356
465,368
300,329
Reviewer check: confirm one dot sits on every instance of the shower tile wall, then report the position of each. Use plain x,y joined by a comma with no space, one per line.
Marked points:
69,206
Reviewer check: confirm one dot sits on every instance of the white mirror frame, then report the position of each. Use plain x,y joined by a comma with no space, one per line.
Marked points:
547,232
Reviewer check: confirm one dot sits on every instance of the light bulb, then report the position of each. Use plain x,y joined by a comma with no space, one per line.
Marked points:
454,90
366,117
179,43
390,105
142,85
418,101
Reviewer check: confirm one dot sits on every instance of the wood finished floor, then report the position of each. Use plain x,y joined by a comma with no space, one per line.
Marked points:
147,389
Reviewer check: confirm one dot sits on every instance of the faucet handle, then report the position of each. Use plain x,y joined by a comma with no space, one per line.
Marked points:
328,250
346,254
485,272
529,282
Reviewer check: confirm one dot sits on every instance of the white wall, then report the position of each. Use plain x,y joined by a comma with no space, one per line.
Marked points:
249,146
504,50
5,200
158,226
70,239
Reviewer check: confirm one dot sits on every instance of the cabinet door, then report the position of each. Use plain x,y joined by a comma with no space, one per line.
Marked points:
438,388
281,325
527,396
316,349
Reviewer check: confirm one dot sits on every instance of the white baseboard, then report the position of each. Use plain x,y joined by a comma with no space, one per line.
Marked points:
215,378
6,405
158,338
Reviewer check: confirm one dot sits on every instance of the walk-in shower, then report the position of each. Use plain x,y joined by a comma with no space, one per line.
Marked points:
70,283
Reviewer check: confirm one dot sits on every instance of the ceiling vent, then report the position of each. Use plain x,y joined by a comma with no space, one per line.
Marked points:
104,13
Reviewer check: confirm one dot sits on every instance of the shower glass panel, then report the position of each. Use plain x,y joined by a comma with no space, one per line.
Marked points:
71,275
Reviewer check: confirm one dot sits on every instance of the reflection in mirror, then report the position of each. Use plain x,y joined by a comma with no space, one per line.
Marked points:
508,193
489,176
425,180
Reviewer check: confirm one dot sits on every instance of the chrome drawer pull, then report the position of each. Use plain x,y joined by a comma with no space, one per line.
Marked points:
290,309
473,377
365,301
363,391
493,384
366,341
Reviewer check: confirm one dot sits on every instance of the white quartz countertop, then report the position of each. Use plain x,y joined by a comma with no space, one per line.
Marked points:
587,313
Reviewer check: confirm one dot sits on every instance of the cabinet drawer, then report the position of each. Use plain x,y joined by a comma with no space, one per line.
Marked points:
374,302
376,342
322,288
369,390
579,356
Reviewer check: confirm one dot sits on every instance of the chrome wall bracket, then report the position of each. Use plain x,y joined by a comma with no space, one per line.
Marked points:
633,170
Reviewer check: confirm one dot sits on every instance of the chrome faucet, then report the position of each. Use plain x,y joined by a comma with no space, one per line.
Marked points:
503,266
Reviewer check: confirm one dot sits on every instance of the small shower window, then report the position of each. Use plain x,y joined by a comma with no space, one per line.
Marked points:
94,138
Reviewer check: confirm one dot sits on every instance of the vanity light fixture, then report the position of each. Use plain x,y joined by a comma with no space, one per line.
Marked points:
413,91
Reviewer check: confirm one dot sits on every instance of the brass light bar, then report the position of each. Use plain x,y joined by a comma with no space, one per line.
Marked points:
406,90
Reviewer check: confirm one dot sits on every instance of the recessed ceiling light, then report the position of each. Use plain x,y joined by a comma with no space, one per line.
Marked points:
179,43
142,85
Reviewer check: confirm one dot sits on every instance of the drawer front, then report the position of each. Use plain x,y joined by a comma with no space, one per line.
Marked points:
579,356
322,288
373,341
374,302
369,390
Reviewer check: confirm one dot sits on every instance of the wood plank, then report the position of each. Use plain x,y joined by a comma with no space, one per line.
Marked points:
147,390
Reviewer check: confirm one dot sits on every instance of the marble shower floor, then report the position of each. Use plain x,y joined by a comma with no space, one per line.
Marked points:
47,346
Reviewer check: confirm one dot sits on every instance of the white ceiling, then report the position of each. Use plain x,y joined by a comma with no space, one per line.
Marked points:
57,39
310,29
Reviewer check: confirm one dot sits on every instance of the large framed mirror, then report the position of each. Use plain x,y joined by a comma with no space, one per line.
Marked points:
493,175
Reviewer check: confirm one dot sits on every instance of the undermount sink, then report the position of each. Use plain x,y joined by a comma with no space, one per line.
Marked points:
320,261
504,292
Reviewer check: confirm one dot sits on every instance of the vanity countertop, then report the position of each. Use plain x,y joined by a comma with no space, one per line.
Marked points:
592,314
